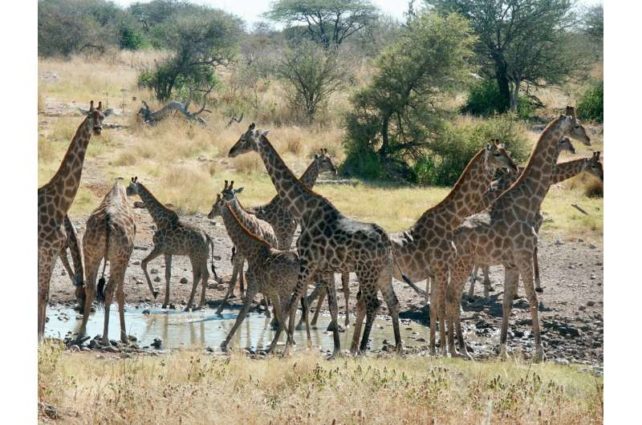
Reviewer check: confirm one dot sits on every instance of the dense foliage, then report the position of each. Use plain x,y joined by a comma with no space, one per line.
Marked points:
395,118
591,104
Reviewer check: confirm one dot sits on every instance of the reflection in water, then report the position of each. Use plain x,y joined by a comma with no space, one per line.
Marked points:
179,329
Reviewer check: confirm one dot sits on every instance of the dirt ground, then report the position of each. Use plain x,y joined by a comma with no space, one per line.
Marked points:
570,307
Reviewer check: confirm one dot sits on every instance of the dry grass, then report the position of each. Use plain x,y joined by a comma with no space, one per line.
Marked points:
306,389
185,164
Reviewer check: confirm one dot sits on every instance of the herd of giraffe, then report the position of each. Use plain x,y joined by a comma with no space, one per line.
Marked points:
482,222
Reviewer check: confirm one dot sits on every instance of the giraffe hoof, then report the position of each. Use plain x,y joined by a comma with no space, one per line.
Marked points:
164,306
155,294
540,290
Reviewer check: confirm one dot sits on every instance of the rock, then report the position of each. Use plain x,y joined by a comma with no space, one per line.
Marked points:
183,280
561,361
157,343
146,311
558,242
136,263
593,276
592,246
154,271
132,338
518,334
137,281
590,303
157,279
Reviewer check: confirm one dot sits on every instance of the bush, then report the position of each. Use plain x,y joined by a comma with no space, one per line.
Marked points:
591,104
484,99
458,142
130,39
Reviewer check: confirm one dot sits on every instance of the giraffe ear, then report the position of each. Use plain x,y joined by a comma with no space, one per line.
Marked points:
264,133
251,127
239,190
488,146
91,106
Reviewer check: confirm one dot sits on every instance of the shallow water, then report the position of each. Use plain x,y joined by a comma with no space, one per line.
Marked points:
204,328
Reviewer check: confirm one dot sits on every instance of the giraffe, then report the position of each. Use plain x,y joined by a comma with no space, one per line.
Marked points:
55,199
504,233
271,271
563,171
255,225
330,242
173,237
424,250
284,224
110,236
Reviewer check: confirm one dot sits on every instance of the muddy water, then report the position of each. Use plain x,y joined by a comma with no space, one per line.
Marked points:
178,329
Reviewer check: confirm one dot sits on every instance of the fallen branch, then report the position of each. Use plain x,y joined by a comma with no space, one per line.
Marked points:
579,209
173,106
340,181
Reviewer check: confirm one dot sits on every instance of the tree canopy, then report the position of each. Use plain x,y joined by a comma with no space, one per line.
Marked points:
519,40
396,115
328,22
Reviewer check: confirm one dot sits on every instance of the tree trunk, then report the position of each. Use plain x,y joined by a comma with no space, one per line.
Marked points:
383,152
502,83
514,93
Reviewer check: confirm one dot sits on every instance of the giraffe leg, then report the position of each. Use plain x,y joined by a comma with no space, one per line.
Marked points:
372,305
526,271
473,278
67,265
345,282
392,302
168,276
455,290
92,264
322,295
488,287
441,280
511,278
196,275
143,264
432,316
538,283
316,292
118,275
205,275
251,292
46,261
358,323
242,277
280,318
230,289
109,295
334,313
305,273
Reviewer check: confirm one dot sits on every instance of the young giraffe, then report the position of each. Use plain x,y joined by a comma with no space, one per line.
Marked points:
563,171
504,234
110,236
173,237
424,250
256,226
270,271
330,242
55,199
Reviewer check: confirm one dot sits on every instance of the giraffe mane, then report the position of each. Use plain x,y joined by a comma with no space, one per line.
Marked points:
245,229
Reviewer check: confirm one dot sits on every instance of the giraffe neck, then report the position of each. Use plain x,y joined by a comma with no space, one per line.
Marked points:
524,198
309,177
294,195
240,212
66,181
465,198
248,245
162,216
566,170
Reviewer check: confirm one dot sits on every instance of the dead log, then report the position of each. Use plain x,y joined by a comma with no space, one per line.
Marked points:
577,207
152,118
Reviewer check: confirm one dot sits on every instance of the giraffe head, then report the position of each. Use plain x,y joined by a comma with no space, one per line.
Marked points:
96,116
247,142
132,189
324,162
595,166
566,145
497,157
228,195
576,130
216,207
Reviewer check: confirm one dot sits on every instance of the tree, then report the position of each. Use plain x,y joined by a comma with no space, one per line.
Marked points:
520,41
327,22
594,22
200,44
396,116
313,73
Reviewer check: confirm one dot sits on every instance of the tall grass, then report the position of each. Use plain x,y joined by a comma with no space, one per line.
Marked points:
306,389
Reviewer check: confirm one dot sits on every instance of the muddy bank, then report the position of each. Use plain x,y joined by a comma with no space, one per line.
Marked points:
570,307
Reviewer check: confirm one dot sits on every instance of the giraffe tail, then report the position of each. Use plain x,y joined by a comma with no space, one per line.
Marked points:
100,290
408,281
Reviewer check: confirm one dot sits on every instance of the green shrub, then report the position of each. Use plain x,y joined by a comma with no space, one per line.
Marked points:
458,142
484,99
591,104
130,39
